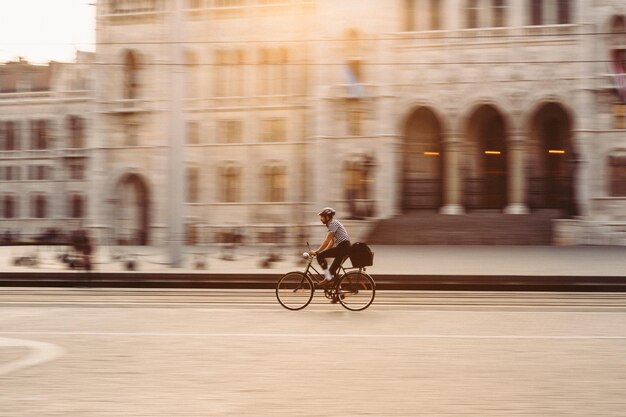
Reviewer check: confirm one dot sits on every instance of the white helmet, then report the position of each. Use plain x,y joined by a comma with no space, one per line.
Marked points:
327,211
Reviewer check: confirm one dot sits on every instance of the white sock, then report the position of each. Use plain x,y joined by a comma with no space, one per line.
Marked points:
327,275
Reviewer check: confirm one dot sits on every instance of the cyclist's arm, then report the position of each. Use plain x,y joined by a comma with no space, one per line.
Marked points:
328,243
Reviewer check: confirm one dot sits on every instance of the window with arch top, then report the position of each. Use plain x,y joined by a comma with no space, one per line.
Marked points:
229,189
131,75
275,180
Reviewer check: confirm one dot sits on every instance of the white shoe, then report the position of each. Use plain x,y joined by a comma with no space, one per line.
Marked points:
327,275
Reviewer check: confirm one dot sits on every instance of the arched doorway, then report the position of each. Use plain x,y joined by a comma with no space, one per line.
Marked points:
131,212
485,172
553,159
422,161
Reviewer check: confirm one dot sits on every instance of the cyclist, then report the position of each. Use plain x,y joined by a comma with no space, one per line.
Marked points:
336,245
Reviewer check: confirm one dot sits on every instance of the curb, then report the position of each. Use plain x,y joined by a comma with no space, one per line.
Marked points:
268,281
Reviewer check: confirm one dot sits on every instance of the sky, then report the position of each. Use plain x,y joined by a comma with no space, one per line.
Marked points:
46,30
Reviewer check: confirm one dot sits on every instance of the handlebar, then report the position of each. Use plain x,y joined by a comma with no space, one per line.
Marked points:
306,255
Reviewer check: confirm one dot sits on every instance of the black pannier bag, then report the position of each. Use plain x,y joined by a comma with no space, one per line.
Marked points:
361,255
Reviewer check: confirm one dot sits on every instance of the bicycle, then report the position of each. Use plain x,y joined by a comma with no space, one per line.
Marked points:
354,288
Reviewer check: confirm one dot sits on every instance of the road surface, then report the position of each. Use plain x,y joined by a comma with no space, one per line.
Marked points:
99,352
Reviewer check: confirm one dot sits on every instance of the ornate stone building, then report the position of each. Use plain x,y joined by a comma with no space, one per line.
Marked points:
377,107
46,114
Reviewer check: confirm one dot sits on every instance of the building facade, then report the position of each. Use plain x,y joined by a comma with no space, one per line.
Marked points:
46,114
377,108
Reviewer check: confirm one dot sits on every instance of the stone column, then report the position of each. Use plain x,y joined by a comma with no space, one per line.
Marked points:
454,20
518,13
176,206
318,170
516,179
452,178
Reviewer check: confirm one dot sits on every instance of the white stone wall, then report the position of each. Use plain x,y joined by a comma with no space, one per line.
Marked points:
70,94
443,70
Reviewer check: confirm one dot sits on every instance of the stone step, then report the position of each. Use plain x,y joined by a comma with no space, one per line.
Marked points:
480,228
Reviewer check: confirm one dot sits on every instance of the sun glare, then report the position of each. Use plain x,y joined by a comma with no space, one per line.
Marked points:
46,30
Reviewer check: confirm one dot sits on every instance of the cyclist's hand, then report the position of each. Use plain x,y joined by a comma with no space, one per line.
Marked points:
312,253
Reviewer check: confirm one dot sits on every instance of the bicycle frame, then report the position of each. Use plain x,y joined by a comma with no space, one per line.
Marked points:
319,276
350,281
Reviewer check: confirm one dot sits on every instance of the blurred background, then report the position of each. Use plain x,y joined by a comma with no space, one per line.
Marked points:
216,123
167,136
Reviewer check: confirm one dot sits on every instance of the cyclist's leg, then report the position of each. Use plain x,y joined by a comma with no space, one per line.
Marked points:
328,253
321,258
341,252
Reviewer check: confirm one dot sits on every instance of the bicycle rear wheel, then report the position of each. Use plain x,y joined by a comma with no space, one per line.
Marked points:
356,291
294,290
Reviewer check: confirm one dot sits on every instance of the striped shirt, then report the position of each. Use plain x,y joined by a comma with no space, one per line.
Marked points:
339,232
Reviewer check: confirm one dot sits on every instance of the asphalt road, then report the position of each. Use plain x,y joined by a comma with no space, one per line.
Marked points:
98,352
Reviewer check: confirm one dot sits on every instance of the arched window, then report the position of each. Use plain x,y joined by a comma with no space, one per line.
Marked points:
220,73
39,134
274,183
499,13
422,15
76,133
239,70
273,130
472,14
192,75
193,185
618,61
536,12
274,71
409,16
283,75
618,30
270,70
355,181
76,205
550,12
358,180
486,179
564,12
435,15
553,158
263,79
39,206
131,75
230,73
9,134
354,64
356,115
617,175
9,207
229,131
230,183
131,213
193,133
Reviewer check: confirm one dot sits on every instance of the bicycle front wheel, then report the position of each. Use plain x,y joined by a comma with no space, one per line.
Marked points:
294,290
356,291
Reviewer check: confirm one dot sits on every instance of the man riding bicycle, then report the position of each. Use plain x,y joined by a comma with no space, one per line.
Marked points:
336,245
354,289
